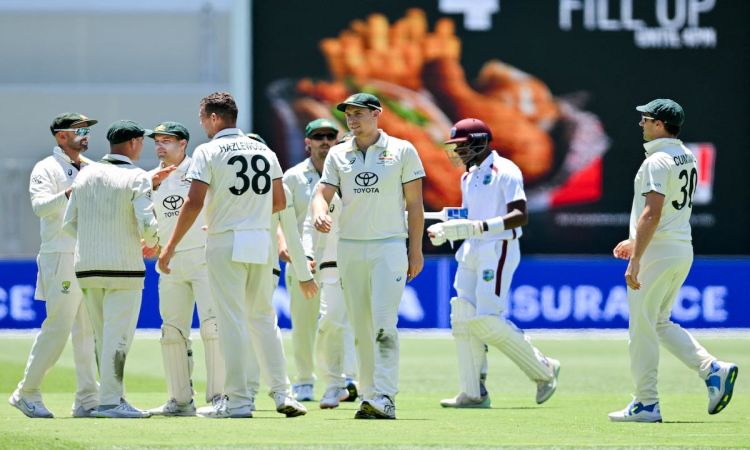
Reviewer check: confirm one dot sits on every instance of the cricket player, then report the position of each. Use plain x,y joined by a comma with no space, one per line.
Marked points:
239,179
109,212
187,285
335,347
379,178
492,191
268,359
49,187
301,180
659,251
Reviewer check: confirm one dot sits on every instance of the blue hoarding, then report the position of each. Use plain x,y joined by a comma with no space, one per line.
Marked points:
581,292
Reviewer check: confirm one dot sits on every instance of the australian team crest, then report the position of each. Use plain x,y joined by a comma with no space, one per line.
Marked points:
65,287
488,275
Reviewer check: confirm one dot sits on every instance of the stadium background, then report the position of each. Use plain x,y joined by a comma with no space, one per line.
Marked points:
584,51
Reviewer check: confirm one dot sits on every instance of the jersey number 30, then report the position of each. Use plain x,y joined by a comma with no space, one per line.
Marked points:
688,189
261,180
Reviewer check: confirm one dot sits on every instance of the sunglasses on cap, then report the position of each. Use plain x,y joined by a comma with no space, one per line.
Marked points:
648,118
321,136
77,131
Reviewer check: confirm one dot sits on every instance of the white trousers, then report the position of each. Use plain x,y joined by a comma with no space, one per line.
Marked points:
664,268
373,276
335,347
304,328
179,292
114,315
245,316
66,316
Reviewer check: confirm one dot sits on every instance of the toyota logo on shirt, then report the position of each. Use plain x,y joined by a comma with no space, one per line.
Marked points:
366,180
173,202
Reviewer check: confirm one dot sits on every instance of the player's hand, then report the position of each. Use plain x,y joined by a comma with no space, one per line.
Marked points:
416,263
164,257
309,288
436,234
284,254
323,223
149,252
160,175
631,274
311,264
623,250
458,229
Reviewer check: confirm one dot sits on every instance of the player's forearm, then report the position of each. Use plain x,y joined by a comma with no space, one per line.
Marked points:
415,225
319,204
645,230
46,203
294,245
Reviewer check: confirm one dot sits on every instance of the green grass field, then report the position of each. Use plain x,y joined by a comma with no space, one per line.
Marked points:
594,380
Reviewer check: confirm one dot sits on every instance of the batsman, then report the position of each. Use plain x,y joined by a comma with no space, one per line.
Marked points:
492,192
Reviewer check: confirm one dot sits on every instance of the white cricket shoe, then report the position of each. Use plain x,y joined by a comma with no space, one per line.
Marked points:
333,396
379,407
720,384
122,411
637,412
80,412
174,409
219,409
35,410
464,401
285,404
545,389
303,392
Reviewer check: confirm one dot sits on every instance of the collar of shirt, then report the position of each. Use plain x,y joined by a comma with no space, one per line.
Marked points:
310,167
59,152
653,146
382,142
488,161
228,132
113,157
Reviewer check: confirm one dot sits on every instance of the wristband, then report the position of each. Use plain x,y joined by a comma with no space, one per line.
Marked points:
493,225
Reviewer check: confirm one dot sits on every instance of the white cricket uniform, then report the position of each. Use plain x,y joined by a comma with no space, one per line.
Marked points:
335,347
58,287
669,169
109,211
372,257
301,181
486,265
181,290
239,204
268,358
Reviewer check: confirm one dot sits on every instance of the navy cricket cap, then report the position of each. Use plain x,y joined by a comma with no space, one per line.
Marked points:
69,120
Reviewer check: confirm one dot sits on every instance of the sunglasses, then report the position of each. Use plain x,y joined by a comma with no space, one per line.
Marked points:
321,136
77,131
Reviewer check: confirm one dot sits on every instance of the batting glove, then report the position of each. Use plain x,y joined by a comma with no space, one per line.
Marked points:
458,229
437,236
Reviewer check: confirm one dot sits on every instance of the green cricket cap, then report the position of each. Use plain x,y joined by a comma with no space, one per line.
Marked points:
69,120
664,109
125,130
175,129
362,100
256,137
320,124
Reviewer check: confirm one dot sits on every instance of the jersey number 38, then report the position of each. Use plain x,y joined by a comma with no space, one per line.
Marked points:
260,181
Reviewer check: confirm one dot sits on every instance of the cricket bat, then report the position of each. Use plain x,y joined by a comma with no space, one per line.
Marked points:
447,213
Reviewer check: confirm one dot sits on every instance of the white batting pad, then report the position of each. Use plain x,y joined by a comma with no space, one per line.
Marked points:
514,343
469,349
174,350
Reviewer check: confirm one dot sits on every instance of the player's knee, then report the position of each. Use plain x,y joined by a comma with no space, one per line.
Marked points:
172,335
209,329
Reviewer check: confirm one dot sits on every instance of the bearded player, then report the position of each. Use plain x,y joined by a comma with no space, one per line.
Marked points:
492,191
